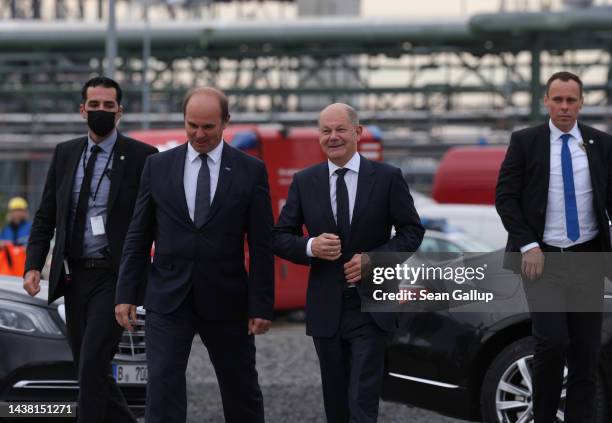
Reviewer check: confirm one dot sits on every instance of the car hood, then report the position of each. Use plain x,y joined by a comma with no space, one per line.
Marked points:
11,288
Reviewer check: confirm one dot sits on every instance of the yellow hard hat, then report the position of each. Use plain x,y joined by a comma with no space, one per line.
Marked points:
17,203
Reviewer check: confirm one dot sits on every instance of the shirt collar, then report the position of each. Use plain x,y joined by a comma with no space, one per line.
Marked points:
214,154
556,133
106,144
352,164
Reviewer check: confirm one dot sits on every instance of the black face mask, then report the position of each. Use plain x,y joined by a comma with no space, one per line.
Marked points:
101,122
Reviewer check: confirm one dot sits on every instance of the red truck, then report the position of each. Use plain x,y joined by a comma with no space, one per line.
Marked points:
284,152
468,175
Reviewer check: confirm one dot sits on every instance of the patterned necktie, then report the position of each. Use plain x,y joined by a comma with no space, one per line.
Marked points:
202,201
342,208
569,193
78,231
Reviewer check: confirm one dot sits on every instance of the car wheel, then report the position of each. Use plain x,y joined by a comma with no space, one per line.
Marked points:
506,389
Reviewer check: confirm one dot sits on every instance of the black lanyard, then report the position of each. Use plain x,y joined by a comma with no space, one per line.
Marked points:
110,156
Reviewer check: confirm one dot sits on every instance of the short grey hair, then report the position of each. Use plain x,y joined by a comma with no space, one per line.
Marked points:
350,112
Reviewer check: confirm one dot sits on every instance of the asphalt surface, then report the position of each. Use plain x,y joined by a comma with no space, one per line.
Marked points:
290,381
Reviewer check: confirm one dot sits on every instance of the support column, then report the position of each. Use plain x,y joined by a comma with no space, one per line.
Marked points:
536,86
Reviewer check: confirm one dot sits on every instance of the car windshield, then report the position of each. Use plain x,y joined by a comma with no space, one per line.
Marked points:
452,243
471,245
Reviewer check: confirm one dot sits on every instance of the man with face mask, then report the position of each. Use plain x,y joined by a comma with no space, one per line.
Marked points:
87,202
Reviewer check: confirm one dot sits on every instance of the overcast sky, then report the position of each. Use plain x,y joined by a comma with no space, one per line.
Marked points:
426,8
420,8
417,9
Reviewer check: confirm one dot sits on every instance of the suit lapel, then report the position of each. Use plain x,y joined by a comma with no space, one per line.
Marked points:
322,190
542,143
226,174
177,184
541,156
120,158
72,161
591,143
365,182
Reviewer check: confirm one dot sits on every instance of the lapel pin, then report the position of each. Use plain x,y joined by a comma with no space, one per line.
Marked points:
228,168
591,141
122,158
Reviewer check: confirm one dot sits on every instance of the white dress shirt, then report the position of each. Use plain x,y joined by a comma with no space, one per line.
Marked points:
350,179
555,231
192,168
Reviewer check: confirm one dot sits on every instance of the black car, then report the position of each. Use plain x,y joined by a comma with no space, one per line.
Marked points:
474,362
35,359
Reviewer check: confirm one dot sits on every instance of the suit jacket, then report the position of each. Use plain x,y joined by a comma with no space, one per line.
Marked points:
208,261
383,200
54,211
522,186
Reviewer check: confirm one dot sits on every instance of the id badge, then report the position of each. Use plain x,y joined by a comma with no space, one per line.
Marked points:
97,225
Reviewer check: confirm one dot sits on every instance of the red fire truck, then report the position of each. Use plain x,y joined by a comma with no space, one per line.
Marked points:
468,175
284,152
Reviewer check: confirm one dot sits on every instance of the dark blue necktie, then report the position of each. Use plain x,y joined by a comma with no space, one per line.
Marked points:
343,218
569,193
202,202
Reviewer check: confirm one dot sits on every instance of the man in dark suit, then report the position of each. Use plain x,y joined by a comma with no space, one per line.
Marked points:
87,202
197,202
554,196
349,205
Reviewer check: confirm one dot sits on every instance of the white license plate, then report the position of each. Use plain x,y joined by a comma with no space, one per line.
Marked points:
130,374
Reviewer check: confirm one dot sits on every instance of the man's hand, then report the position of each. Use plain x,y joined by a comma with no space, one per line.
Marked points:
327,247
126,315
532,263
258,326
31,282
352,269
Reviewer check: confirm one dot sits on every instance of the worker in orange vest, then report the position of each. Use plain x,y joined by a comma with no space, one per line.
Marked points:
13,238
17,230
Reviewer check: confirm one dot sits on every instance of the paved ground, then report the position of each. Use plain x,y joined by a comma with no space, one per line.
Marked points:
289,377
